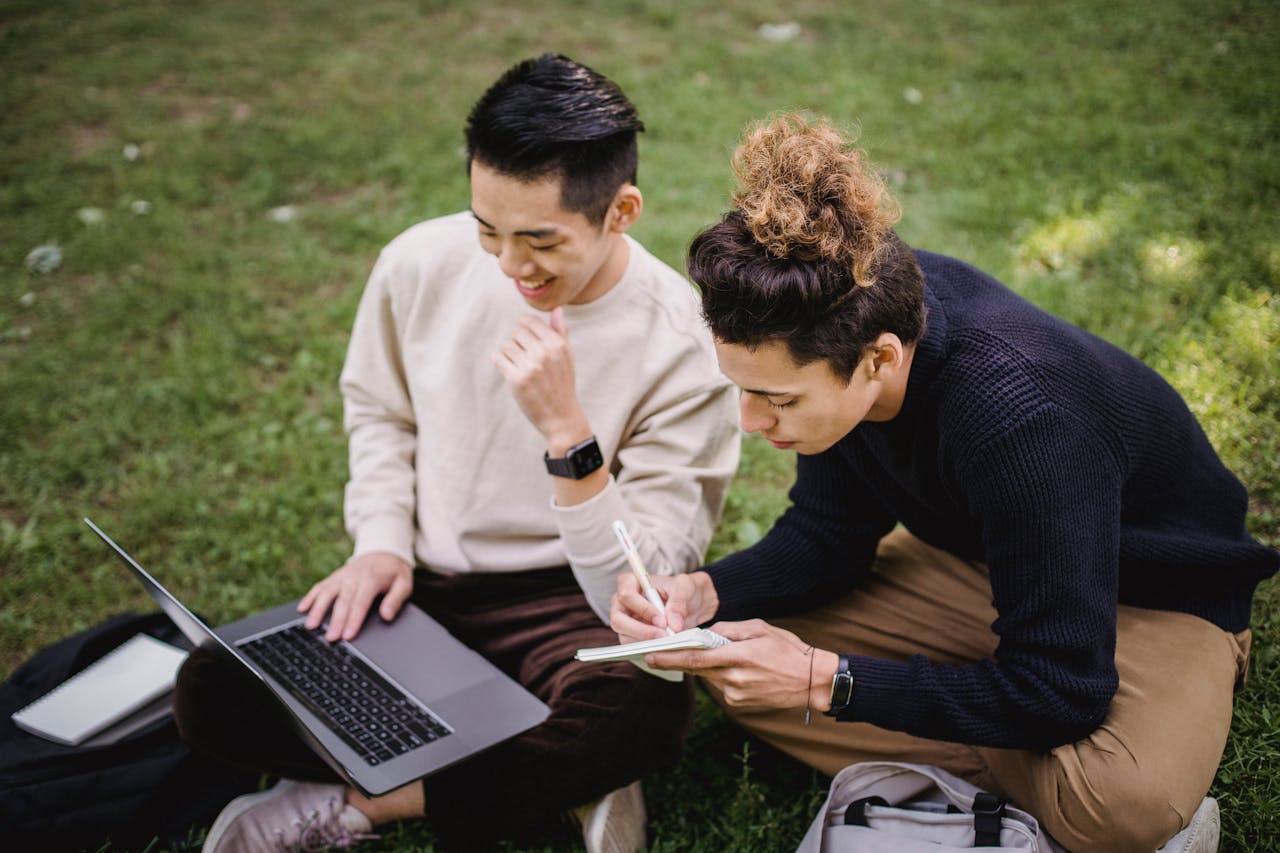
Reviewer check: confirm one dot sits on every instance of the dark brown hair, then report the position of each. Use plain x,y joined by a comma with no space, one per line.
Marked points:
808,255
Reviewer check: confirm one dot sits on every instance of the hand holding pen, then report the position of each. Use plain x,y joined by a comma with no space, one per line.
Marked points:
638,569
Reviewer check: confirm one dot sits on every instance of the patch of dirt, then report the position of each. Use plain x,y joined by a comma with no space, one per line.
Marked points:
13,515
87,139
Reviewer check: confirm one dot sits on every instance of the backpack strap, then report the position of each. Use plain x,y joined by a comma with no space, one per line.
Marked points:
856,813
988,811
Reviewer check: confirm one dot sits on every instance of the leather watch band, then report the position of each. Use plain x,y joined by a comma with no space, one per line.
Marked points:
841,687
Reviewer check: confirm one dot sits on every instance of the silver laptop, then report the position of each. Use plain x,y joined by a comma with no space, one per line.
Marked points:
400,701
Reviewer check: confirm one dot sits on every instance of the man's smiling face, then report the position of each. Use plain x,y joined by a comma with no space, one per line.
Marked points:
553,256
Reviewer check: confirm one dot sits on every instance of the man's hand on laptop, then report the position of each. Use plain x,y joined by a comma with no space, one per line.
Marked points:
350,591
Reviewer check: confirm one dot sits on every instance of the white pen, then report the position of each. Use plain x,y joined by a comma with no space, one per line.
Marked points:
638,569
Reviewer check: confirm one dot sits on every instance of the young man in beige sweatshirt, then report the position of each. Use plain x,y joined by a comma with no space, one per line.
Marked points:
507,398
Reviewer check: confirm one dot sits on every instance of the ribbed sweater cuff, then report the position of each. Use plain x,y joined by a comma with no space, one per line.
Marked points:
586,528
879,688
385,533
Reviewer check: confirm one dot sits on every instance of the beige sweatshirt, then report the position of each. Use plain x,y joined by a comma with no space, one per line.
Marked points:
446,471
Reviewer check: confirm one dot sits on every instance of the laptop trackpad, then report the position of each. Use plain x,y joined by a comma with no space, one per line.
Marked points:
492,712
420,654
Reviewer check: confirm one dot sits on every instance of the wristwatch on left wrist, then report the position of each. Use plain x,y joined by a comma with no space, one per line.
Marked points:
580,460
841,687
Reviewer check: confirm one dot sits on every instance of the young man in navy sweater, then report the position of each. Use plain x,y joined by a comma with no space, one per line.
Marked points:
1011,550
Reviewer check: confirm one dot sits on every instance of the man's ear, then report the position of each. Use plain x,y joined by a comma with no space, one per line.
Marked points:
626,208
888,355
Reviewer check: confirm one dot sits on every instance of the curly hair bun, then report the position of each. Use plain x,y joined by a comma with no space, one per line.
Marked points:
804,191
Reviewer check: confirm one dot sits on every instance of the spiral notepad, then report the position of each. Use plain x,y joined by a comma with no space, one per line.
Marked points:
690,638
105,692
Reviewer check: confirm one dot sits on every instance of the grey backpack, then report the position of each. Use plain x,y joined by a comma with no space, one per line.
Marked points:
893,807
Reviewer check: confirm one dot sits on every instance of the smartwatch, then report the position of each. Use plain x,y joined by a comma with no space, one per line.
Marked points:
581,460
841,687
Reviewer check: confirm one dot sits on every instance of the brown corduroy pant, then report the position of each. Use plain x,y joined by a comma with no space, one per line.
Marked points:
610,723
1131,785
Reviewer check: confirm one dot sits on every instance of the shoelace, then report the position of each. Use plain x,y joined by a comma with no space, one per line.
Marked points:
316,833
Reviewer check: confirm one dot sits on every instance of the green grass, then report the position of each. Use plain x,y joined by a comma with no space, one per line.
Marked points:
175,378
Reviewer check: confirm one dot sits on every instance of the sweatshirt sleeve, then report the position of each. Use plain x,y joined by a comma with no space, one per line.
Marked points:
820,547
672,475
378,416
1047,497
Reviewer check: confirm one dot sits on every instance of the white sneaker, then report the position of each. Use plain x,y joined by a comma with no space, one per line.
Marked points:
292,816
614,823
1201,835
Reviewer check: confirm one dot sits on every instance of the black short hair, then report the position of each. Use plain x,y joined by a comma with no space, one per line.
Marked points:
553,116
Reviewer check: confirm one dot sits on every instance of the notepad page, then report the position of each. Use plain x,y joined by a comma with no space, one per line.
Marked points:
108,690
691,638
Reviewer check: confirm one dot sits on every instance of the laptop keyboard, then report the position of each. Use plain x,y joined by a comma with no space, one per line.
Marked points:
371,715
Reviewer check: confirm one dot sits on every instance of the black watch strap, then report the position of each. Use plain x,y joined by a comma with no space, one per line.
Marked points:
841,687
582,459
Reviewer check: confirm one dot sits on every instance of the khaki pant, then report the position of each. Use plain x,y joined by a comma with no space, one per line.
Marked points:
1131,785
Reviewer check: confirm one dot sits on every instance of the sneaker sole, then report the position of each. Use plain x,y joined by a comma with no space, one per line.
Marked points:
1207,829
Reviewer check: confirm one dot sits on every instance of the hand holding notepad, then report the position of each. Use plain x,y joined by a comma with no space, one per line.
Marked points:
692,638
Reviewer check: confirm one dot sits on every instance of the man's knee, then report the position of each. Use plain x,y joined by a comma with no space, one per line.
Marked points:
223,710
1113,806
203,685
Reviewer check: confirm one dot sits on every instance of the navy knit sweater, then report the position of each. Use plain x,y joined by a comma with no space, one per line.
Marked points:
1071,468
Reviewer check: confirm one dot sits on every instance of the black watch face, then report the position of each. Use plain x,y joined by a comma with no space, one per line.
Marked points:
586,459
